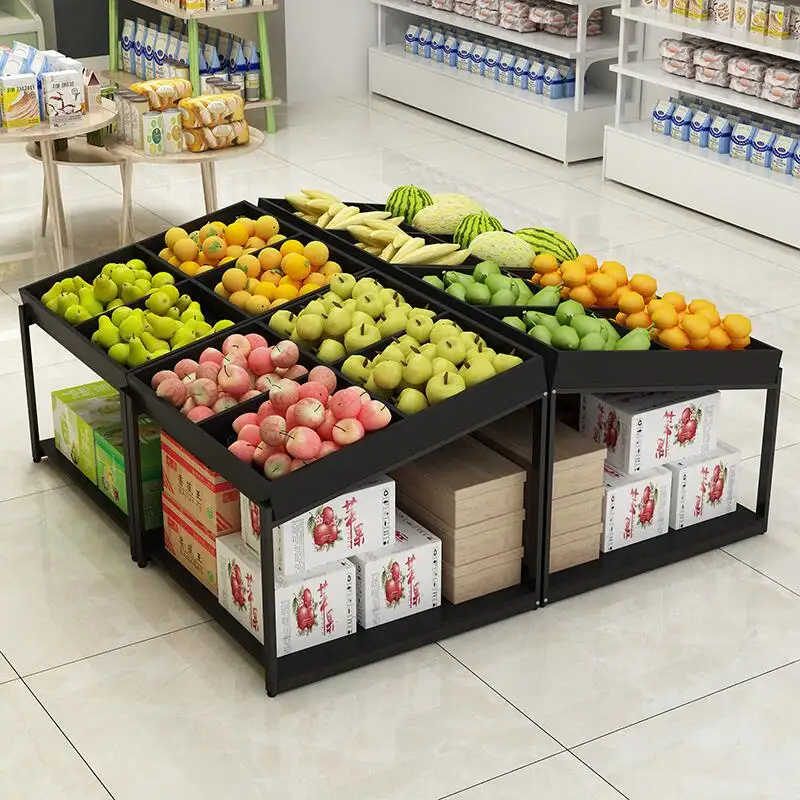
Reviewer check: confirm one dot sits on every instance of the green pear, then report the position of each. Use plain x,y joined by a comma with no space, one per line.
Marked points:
136,263
443,329
476,294
362,286
120,352
220,325
350,305
143,275
357,369
76,314
330,350
388,374
122,274
476,371
53,305
199,328
183,302
505,361
471,339
428,350
391,353
314,307
193,312
483,270
65,300
411,401
107,333
444,385
434,280
342,285
138,354
408,344
370,304
497,282
89,301
358,318
79,283
131,327
361,337
52,293
159,302
144,286
152,343
302,343
439,365
310,327
458,291
393,322
119,314
181,338
331,300
418,370
173,313
422,312
337,322
108,269
420,328
130,293
161,279
282,322
163,327
452,349
481,350
170,291
503,297
515,322
68,286
115,303
376,390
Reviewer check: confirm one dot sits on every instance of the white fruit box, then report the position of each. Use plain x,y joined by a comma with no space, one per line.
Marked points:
310,609
359,521
636,506
642,431
401,580
704,487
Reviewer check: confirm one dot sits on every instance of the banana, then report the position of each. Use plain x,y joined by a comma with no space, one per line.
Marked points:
340,221
335,208
387,253
298,201
318,194
408,247
373,251
400,239
324,219
320,205
453,260
426,254
362,233
381,237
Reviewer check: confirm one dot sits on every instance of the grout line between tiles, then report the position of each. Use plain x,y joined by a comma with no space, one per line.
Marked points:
602,778
762,574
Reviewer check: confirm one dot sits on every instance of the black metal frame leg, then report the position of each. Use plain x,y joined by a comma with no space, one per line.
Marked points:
268,600
133,477
30,383
768,441
535,496
547,489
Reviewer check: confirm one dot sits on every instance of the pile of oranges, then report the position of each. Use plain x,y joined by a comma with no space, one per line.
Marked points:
582,279
273,276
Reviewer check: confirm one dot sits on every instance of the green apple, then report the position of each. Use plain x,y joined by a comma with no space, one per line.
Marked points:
358,318
422,312
408,344
388,374
338,322
418,370
452,349
444,385
330,350
283,322
420,328
440,365
331,300
357,369
428,350
390,297
369,304
314,307
393,322
360,337
391,353
481,350
365,286
342,285
470,339
476,371
444,329
411,401
350,305
505,361
376,390
310,327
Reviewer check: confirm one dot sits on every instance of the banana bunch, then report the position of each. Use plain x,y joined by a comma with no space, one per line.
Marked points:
377,232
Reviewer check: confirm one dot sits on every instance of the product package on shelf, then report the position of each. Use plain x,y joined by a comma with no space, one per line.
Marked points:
20,101
360,521
311,608
228,134
400,580
190,544
210,110
164,93
703,487
642,431
63,94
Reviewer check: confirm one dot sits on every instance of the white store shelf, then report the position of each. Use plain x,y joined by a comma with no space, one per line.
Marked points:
174,11
727,189
650,71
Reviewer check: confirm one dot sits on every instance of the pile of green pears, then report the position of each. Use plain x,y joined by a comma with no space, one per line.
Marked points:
77,300
571,328
486,286
169,321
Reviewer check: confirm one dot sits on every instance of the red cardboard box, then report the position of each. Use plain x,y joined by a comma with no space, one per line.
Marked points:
190,544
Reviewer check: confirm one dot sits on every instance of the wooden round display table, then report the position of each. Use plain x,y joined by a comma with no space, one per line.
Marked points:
46,136
206,160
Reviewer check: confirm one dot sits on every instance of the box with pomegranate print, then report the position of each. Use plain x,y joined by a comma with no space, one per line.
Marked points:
400,580
642,431
358,521
310,608
636,507
704,487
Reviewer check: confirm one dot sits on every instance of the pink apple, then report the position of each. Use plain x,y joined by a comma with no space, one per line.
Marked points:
249,395
235,358
188,406
204,392
186,366
347,431
302,442
234,380
250,418
224,402
243,451
161,376
277,465
345,403
199,413
374,415
256,340
262,453
173,390
249,433
272,430
325,428
265,410
295,372
327,448
289,416
259,362
324,375
363,395
208,369
284,394
316,390
211,354
236,343
309,412
285,354
298,463
265,382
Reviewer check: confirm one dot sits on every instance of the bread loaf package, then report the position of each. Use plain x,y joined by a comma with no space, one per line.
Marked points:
227,134
163,93
209,110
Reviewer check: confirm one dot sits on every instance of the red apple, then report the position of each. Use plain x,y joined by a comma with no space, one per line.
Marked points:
324,375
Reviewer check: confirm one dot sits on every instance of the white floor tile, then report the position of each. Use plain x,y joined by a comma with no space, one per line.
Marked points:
739,744
561,777
192,707
780,254
615,656
6,672
742,419
36,761
781,329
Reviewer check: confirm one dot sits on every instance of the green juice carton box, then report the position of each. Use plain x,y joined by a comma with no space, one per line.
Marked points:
110,457
76,414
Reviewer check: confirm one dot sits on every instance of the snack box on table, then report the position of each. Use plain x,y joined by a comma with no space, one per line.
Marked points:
400,580
190,544
311,608
359,521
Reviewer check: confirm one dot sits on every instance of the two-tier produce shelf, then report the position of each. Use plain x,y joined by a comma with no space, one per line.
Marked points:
728,189
567,129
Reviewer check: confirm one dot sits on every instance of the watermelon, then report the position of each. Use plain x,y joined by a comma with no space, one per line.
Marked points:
544,240
444,218
505,248
407,202
473,225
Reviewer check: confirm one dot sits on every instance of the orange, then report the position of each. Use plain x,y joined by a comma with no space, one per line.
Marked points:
584,295
665,317
699,344
166,254
204,268
620,318
616,270
174,235
695,326
674,338
315,278
631,302
602,285
278,301
317,253
296,266
278,237
535,279
551,279
612,301
291,246
740,344
574,274
266,227
201,258
227,260
286,292
249,264
234,250
270,258
308,287
222,291
240,298
256,304
589,263
657,303
237,233
234,279
251,284
286,280
273,276
265,289
330,268
189,268
544,263
710,314
175,261
565,292
249,224
214,248
255,242
211,229
737,326
641,319
644,284
695,305
676,299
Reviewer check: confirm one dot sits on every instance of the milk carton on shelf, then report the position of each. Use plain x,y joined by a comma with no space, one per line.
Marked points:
699,128
401,580
491,64
703,487
636,507
783,150
359,521
553,83
681,123
425,37
521,70
763,141
505,69
451,45
796,162
477,59
742,141
411,39
719,134
465,49
645,430
310,608
662,117
437,47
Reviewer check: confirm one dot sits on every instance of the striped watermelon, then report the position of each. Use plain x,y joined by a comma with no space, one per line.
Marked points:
472,226
544,240
407,202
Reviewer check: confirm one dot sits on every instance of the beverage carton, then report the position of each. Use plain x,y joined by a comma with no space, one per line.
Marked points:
536,76
681,123
553,83
477,59
761,153
741,14
437,47
505,70
63,97
451,51
401,580
358,521
636,507
311,608
189,544
411,39
642,431
783,150
699,128
465,49
742,141
796,162
568,76
138,59
425,36
19,100
719,135
662,117
491,64
703,487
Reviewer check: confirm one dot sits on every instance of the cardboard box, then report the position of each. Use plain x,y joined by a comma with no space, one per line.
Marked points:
362,520
636,507
20,100
576,511
190,544
642,431
703,487
76,414
482,577
575,547
63,94
310,608
401,580
110,460
212,502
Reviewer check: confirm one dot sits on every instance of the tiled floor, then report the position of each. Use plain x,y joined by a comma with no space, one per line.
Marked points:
678,684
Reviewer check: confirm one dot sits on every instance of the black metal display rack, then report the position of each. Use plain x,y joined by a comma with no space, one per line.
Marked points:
537,383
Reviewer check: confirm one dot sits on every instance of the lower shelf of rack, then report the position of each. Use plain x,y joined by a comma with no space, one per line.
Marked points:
702,180
661,551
